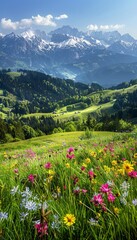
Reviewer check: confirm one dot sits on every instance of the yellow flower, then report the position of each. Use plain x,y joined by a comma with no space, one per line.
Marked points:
107,169
114,162
87,160
58,190
69,219
121,171
84,165
127,166
51,172
135,155
67,165
93,154
116,210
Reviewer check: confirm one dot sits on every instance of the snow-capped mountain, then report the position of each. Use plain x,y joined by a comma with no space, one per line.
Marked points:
69,53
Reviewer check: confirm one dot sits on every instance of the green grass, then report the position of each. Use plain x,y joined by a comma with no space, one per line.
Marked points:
53,141
14,74
49,180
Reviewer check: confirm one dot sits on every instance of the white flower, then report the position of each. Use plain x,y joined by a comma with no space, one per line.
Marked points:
27,193
124,194
14,190
44,205
23,216
3,215
93,221
123,200
134,201
31,205
124,186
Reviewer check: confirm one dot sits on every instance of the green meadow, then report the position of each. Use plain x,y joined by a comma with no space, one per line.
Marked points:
69,186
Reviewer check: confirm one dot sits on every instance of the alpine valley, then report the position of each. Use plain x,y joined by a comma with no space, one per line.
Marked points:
105,58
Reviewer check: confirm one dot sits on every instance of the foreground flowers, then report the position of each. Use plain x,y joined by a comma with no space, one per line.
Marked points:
69,219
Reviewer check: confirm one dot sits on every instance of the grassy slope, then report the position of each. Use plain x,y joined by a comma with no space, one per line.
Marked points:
54,141
63,114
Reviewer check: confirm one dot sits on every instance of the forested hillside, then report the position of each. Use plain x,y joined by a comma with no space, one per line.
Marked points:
33,104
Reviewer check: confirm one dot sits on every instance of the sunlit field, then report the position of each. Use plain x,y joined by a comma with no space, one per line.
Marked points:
68,187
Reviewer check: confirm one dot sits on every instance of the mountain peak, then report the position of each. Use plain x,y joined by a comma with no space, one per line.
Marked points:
67,30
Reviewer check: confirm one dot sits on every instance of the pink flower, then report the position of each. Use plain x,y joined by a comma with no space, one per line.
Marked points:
105,188
47,165
91,174
97,200
70,150
42,228
84,191
111,197
83,168
31,178
132,174
16,170
70,156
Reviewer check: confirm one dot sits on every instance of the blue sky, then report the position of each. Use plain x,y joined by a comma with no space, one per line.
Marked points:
18,15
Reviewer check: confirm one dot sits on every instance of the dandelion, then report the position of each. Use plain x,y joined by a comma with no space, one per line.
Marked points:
69,219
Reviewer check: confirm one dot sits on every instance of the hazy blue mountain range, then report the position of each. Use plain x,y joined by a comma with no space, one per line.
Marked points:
107,58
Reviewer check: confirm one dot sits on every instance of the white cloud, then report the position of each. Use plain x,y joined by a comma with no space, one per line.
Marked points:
111,27
95,27
43,21
28,22
92,27
63,16
7,23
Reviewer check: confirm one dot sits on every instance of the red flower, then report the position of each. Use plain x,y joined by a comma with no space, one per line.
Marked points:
70,156
97,200
111,197
31,178
105,188
132,174
47,165
42,228
91,174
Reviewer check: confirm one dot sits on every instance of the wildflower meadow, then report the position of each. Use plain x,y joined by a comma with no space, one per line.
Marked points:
80,192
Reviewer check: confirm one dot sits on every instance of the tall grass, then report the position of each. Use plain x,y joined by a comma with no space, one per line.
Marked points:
95,183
